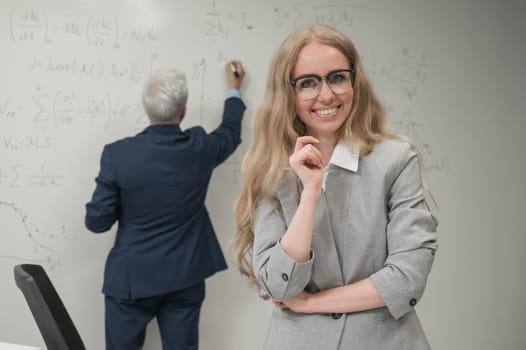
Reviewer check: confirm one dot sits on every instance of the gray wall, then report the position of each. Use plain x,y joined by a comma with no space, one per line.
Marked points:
451,75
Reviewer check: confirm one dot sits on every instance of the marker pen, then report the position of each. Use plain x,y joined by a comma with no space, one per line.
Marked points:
234,70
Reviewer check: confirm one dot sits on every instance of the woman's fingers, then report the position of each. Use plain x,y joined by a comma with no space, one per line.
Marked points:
312,156
306,153
302,141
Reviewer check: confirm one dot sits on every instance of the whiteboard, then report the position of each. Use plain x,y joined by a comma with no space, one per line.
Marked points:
450,74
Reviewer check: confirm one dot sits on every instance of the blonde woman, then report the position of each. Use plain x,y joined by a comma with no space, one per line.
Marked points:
332,220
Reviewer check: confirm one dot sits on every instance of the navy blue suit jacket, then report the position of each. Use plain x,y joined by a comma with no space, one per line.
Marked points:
154,184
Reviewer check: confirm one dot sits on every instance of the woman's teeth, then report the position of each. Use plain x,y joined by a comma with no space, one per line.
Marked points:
326,111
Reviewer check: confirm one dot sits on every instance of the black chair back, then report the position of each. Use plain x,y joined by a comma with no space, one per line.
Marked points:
53,320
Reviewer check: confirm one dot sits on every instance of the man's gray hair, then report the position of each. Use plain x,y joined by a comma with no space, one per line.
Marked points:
164,95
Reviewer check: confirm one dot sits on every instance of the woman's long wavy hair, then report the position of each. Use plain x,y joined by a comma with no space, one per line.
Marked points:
276,128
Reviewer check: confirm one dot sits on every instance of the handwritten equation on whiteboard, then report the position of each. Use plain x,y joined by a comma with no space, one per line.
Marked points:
409,73
102,31
45,111
221,24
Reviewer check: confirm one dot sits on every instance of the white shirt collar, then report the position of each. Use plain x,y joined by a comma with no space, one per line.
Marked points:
346,157
343,156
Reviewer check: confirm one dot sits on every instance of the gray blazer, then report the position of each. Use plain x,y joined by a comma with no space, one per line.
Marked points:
372,222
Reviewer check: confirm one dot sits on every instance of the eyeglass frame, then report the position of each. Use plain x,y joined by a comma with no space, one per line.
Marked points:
351,70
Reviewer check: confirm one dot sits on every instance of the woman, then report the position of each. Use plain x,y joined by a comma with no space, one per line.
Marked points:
332,219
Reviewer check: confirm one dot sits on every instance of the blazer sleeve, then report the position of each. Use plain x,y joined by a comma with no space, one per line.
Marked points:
411,240
102,210
277,274
224,140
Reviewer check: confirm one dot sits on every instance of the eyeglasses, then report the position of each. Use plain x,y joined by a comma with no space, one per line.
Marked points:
308,86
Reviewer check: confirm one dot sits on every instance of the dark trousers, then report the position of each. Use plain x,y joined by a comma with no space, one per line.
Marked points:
177,315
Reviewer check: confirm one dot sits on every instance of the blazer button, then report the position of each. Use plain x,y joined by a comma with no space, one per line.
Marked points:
412,302
285,277
336,315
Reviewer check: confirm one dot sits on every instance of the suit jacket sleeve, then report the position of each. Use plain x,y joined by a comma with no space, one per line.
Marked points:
225,139
411,240
277,274
102,210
